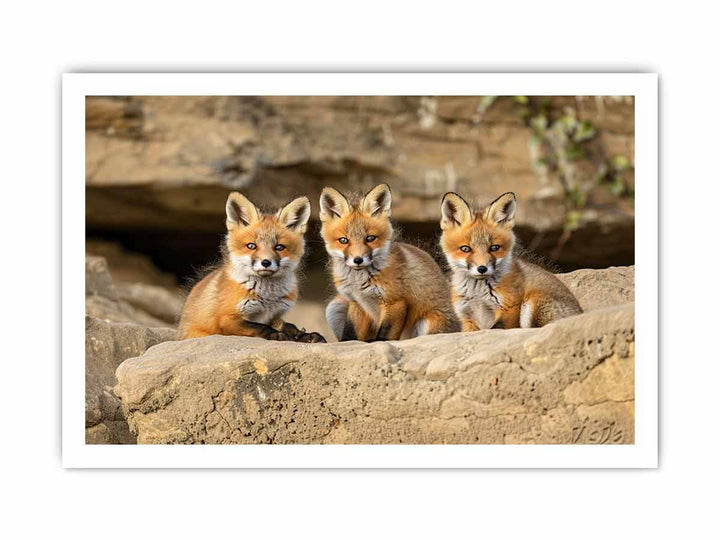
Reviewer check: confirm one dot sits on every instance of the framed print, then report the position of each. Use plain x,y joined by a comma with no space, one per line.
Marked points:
360,270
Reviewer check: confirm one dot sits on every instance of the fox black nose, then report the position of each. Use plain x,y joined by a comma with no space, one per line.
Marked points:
482,269
358,260
265,263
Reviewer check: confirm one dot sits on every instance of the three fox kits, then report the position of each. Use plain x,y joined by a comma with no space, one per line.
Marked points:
491,286
256,283
386,290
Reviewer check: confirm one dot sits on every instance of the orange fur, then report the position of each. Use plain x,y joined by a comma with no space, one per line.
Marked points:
492,287
386,289
256,283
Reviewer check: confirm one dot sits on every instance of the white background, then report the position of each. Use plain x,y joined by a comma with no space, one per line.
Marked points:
39,41
643,453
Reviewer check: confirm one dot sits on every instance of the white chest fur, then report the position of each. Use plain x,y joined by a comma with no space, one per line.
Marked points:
268,299
359,286
476,298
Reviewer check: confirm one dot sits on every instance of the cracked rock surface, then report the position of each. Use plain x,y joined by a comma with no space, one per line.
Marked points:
107,344
569,382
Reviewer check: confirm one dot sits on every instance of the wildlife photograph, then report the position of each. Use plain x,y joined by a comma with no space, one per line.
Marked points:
360,269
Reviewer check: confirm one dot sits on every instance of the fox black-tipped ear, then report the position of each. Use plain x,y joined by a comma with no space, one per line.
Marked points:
333,204
240,211
378,201
455,211
295,214
502,210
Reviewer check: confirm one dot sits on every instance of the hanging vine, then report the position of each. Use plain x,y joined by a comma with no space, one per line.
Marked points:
569,149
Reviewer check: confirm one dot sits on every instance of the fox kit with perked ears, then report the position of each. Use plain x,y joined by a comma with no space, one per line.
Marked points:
256,284
492,286
386,290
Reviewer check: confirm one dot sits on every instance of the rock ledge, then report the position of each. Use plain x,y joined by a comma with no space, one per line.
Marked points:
569,382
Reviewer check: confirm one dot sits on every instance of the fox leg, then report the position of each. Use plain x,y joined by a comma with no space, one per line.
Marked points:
435,323
528,317
421,327
468,325
508,318
359,325
392,321
235,326
336,314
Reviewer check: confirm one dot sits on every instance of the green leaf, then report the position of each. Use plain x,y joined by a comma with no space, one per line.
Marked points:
567,123
522,100
620,163
572,220
584,131
617,187
574,152
539,122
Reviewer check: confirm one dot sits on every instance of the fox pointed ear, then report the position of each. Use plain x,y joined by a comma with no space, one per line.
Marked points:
240,212
333,204
378,201
455,211
295,214
502,210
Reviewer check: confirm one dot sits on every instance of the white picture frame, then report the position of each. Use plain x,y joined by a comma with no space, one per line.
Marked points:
642,454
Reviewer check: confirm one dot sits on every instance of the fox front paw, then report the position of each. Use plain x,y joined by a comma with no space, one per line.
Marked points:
311,337
291,330
280,336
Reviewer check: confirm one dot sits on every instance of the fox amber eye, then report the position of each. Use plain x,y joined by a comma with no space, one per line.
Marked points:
343,240
494,247
465,249
370,238
250,246
279,247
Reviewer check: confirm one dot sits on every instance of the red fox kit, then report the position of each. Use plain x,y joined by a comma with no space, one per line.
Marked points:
386,290
256,283
492,286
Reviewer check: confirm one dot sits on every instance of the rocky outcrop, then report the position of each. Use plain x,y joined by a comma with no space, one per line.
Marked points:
129,267
149,305
167,163
569,382
107,344
118,325
601,288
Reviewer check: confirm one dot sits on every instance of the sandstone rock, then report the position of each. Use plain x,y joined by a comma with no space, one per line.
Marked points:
157,302
97,278
107,344
114,116
135,303
601,288
569,382
127,266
